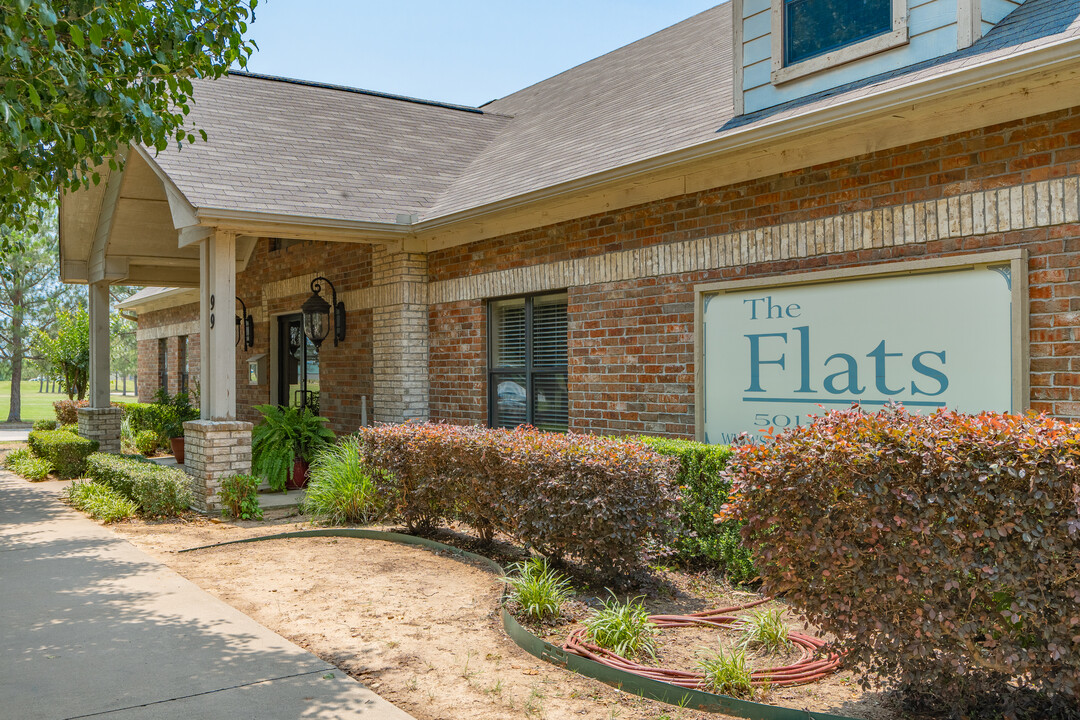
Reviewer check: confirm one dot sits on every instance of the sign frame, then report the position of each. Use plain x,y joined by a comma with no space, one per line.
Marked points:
1017,258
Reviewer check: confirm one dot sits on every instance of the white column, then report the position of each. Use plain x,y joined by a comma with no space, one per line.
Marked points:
99,344
217,303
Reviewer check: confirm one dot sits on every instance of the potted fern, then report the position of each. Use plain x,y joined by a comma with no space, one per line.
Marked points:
284,442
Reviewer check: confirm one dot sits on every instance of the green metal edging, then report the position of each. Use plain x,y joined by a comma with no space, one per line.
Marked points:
523,638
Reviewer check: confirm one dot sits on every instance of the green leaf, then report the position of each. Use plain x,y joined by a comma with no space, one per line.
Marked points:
77,36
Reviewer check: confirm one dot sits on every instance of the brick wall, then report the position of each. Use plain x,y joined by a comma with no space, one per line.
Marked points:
167,324
631,356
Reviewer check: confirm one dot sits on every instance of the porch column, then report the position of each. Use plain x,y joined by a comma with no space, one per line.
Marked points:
400,336
216,445
100,421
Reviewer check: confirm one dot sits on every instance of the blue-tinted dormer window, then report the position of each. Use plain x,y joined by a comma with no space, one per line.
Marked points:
815,27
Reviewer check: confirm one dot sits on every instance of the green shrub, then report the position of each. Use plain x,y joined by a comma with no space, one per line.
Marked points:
147,441
99,501
941,549
727,673
342,488
606,502
145,416
155,489
539,590
623,628
14,457
67,411
239,496
703,490
73,428
65,451
44,424
23,462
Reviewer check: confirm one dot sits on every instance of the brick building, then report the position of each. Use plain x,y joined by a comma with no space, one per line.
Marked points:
549,257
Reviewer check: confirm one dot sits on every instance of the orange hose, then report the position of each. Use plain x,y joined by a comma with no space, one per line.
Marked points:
805,670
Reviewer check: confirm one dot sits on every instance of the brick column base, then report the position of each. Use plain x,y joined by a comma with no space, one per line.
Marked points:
214,450
103,425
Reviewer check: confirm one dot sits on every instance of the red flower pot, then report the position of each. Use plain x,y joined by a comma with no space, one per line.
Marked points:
177,445
299,476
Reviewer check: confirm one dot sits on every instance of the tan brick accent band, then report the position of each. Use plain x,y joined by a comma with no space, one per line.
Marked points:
1022,207
166,331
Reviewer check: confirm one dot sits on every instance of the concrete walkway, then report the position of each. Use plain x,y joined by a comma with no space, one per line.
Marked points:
14,434
90,626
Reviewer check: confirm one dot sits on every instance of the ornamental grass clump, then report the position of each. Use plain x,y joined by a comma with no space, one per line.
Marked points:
24,463
624,628
537,588
726,673
943,550
343,489
765,630
100,501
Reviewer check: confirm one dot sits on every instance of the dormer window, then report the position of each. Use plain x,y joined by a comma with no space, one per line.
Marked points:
812,35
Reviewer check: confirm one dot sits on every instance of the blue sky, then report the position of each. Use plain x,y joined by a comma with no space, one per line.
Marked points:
461,52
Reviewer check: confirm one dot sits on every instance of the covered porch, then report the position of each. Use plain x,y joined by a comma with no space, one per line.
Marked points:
138,228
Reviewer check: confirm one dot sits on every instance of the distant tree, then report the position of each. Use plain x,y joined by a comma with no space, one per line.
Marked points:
81,78
123,348
30,295
67,352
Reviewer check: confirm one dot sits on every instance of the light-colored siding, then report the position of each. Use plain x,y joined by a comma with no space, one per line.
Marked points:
932,32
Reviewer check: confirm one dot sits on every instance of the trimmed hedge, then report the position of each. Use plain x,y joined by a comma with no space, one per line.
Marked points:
44,424
65,451
155,489
703,489
146,416
605,502
944,550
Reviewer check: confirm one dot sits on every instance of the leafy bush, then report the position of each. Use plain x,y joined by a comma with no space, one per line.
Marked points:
142,417
147,441
342,488
99,501
67,411
603,501
239,496
623,628
727,673
44,424
943,549
283,436
23,462
65,451
703,490
155,489
72,428
539,590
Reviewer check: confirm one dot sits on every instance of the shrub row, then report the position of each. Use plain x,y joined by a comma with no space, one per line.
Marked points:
944,550
602,501
701,541
65,451
156,490
45,424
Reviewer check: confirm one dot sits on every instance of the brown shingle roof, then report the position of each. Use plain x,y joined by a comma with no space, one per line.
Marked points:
280,146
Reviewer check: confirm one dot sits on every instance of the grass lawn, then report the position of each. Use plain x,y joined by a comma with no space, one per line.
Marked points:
38,406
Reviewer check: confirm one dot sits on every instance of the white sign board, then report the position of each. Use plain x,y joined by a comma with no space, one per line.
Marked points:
773,356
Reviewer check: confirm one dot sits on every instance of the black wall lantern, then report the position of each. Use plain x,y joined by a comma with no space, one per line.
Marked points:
245,326
317,314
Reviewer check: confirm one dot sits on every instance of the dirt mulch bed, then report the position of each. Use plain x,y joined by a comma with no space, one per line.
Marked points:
422,629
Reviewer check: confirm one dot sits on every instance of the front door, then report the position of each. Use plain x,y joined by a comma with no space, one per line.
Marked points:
298,363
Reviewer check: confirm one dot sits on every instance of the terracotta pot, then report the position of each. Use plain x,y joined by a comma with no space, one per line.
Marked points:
177,445
300,476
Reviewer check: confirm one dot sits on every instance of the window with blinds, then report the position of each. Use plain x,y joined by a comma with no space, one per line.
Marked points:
527,362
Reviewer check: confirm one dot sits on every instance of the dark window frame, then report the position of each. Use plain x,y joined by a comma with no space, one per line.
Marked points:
529,370
163,363
786,11
182,363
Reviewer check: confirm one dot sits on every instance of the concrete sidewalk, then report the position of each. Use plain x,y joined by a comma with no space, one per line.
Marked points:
92,627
